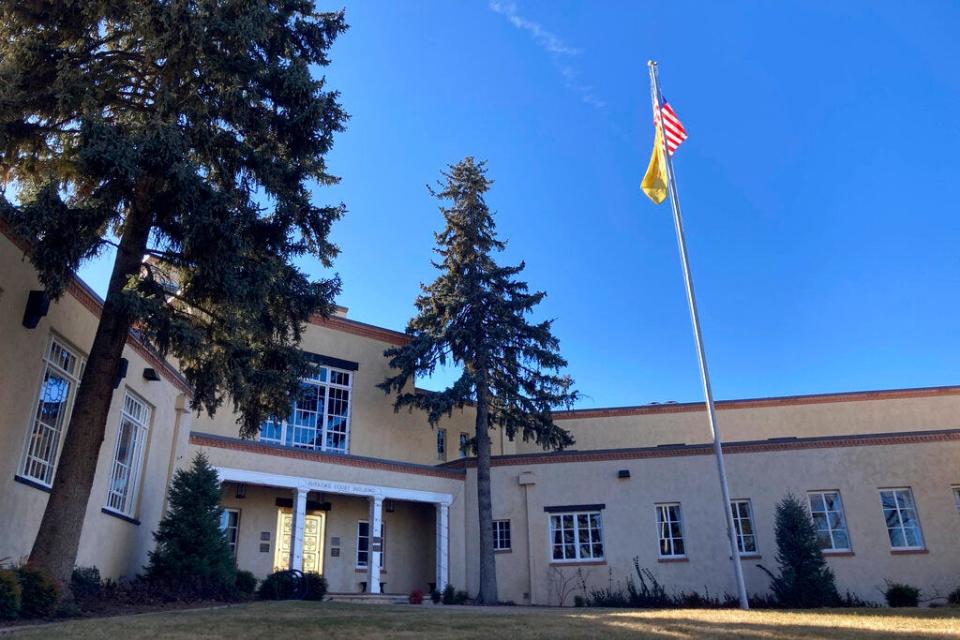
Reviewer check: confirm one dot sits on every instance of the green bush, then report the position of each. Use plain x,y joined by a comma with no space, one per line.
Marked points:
435,596
579,602
954,597
449,593
899,594
85,584
39,593
314,586
246,583
281,585
9,595
460,597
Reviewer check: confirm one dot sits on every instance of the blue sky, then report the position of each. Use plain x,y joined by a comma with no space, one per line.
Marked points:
819,182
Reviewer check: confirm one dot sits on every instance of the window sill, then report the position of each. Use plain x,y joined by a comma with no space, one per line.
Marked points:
838,554
32,483
117,514
366,570
749,556
908,552
668,559
503,550
577,563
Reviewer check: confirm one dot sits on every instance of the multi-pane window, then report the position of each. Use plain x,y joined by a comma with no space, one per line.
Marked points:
501,535
956,497
670,530
128,455
320,416
743,523
363,544
441,444
576,536
230,525
61,375
826,507
464,444
900,512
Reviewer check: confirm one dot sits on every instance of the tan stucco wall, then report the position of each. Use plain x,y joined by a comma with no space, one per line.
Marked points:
115,546
629,519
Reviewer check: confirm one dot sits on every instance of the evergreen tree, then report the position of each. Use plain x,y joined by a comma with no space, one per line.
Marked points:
805,581
193,555
474,316
190,133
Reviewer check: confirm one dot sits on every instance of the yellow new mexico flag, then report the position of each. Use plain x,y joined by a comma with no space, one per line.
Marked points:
655,181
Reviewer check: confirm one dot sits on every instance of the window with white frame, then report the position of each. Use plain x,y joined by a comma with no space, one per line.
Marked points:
826,507
743,523
464,444
956,497
128,455
501,535
441,444
670,530
576,536
230,525
62,370
363,544
320,416
900,513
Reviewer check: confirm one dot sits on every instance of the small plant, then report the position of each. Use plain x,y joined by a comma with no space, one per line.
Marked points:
39,593
899,594
954,597
280,585
416,597
246,583
460,597
9,595
579,601
435,596
449,593
314,586
85,584
853,601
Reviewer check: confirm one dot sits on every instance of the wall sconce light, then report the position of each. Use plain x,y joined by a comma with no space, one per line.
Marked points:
121,372
241,491
623,474
38,304
150,374
388,506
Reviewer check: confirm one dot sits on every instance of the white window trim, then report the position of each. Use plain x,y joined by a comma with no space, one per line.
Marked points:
916,509
496,538
660,538
322,416
576,537
463,443
956,496
843,514
441,444
74,378
142,429
383,546
739,531
236,543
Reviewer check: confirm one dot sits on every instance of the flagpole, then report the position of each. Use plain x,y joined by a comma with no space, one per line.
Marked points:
701,354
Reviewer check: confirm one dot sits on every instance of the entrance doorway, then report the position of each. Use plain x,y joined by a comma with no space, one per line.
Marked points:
312,541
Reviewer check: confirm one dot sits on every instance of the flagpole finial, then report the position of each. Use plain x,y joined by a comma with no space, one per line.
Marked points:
651,63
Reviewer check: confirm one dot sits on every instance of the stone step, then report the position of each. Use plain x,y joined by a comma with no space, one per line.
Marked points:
368,598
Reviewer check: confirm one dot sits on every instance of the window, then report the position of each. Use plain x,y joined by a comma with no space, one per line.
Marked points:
670,529
320,416
230,525
576,536
501,535
900,512
464,444
956,497
363,544
743,523
827,511
61,375
441,444
128,455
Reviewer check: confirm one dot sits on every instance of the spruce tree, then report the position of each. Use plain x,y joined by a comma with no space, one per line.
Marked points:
474,315
190,133
192,555
805,581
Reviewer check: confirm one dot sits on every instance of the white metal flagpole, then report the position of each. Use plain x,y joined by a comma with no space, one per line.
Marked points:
701,355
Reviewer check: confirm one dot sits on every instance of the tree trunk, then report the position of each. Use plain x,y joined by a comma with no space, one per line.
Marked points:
488,560
57,541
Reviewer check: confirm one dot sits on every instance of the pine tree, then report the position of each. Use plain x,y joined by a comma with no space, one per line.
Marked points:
190,133
805,581
193,555
474,316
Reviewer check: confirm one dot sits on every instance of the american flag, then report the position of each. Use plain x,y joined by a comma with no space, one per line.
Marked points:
673,129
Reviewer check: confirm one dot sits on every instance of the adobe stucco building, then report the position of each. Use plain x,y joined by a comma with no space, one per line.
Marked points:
376,500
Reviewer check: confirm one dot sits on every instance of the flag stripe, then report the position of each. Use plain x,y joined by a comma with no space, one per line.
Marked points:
673,132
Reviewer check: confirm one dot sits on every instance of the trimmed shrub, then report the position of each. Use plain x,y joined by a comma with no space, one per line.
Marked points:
416,597
460,597
954,597
805,581
85,584
449,594
314,586
281,585
9,595
246,583
579,602
435,596
39,593
899,594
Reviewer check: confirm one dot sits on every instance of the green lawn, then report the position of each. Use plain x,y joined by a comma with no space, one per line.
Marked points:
372,622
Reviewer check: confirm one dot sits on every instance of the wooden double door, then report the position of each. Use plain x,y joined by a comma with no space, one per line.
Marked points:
313,524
